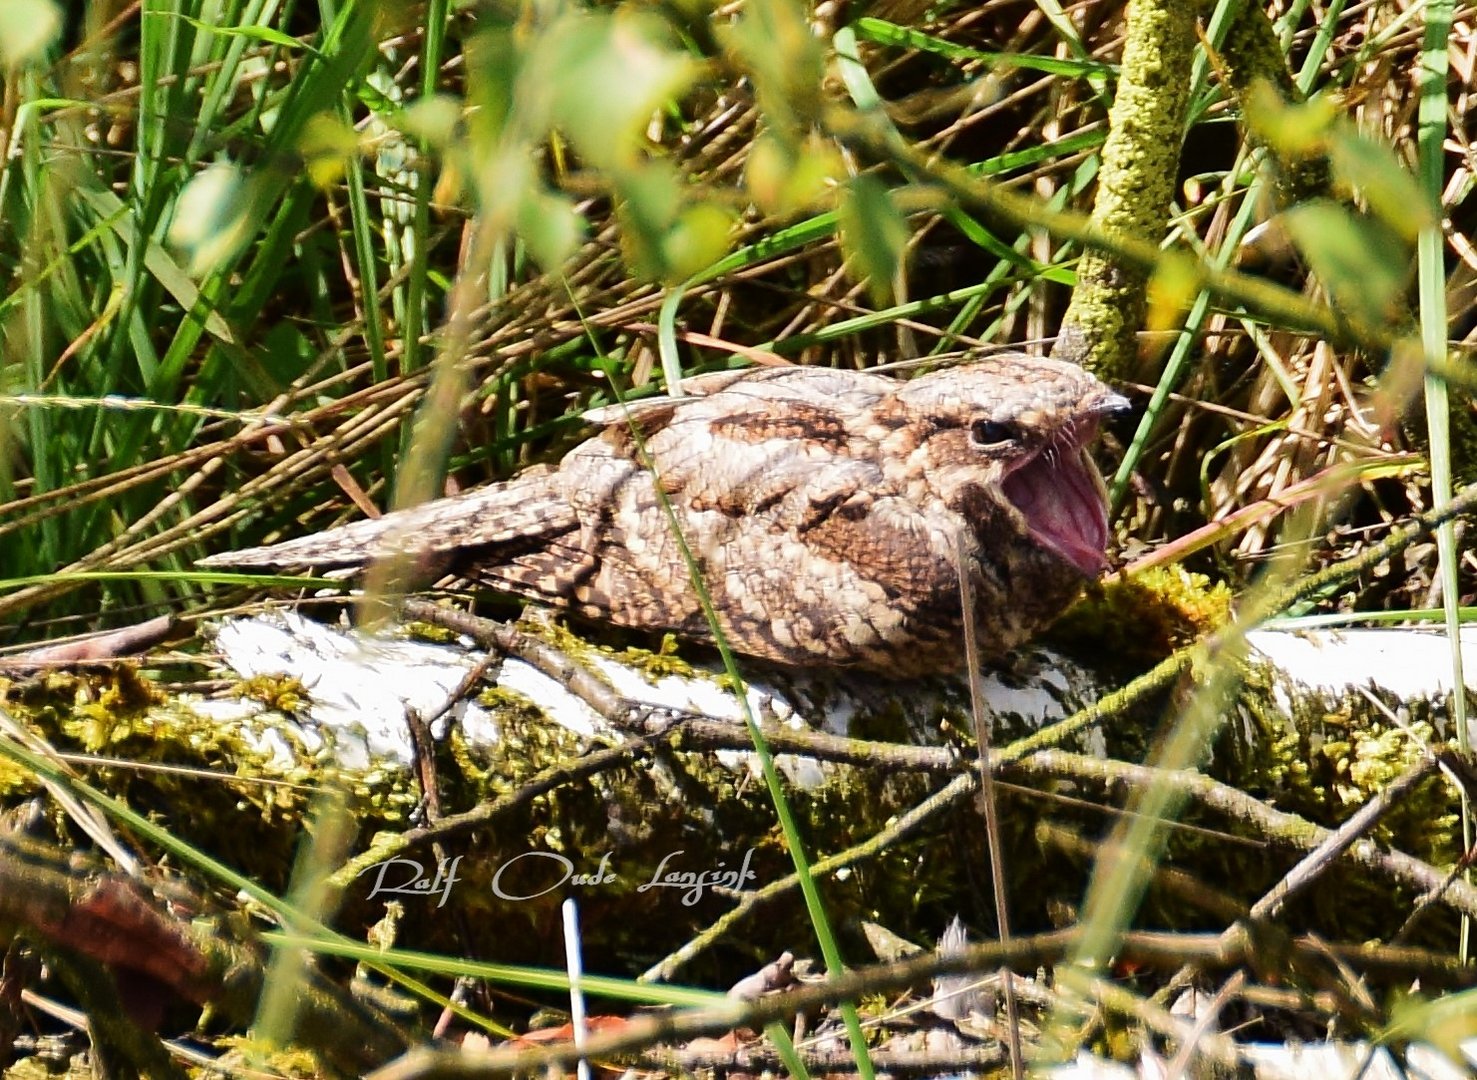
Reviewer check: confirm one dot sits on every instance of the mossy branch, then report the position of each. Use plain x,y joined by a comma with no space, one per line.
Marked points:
1251,54
1136,186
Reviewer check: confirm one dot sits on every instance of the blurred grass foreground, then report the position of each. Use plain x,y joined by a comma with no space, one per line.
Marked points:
271,265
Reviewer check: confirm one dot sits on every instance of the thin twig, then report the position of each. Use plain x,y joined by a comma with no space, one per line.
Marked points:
987,800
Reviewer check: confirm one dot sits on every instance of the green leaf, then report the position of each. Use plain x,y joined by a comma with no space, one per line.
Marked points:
433,119
267,35
606,75
1362,263
873,234
782,181
887,33
550,226
503,180
1172,289
1292,131
285,351
494,63
1032,156
210,221
327,144
27,29
697,239
1374,171
773,43
1445,1022
650,199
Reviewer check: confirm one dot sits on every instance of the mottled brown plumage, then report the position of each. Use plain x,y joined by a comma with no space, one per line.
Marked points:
825,508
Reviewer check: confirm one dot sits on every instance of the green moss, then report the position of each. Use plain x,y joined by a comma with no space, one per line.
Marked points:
1318,760
208,781
1140,620
529,742
1323,756
250,1055
430,632
660,663
281,693
653,664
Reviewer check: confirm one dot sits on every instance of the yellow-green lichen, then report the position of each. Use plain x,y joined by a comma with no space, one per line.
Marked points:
430,632
660,663
283,693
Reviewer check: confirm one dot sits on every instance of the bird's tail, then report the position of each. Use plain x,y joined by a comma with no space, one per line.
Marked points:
438,531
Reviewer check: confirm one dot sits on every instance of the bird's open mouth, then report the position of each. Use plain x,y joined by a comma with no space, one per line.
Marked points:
1061,495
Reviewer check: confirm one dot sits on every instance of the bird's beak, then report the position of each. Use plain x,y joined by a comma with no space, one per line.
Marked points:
1110,403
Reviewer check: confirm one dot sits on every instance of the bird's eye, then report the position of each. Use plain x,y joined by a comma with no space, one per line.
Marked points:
992,432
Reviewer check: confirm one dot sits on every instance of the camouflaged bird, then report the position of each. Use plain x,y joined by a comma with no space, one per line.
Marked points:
826,509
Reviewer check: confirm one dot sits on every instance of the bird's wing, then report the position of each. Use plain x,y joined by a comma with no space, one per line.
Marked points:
545,503
823,387
740,467
884,538
826,561
743,447
648,412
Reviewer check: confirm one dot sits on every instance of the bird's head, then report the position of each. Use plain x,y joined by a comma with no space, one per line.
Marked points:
1005,440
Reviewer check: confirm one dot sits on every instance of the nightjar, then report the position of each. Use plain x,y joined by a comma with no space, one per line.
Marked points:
827,511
